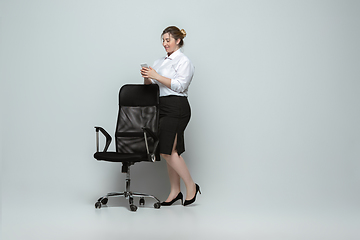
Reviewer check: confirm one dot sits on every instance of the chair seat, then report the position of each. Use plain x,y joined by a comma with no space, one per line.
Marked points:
120,157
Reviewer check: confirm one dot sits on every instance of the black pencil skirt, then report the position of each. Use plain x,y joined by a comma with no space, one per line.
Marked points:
175,114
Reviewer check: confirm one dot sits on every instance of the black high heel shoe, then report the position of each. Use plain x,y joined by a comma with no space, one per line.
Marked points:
179,196
188,202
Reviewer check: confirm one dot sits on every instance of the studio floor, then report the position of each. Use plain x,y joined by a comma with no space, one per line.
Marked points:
43,218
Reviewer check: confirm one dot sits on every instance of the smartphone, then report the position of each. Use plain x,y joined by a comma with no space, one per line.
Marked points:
144,65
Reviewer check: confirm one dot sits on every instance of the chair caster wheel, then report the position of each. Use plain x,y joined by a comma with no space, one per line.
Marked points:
98,205
142,202
133,208
104,201
157,205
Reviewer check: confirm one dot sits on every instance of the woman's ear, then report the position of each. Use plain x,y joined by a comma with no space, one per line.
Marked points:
178,41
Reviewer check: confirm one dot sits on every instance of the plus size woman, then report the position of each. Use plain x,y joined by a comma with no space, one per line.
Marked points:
173,73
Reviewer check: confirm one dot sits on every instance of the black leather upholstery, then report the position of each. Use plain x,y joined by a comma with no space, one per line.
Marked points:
138,109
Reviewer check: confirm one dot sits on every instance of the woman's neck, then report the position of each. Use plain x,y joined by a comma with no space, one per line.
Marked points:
172,52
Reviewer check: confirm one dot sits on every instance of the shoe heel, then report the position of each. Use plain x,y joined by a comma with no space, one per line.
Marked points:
198,188
188,202
182,199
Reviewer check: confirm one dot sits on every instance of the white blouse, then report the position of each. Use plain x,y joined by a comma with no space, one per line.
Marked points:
179,69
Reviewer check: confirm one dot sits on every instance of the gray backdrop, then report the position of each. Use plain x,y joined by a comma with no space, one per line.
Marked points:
275,100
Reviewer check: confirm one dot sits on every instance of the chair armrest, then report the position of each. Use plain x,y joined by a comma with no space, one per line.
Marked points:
151,156
108,138
151,133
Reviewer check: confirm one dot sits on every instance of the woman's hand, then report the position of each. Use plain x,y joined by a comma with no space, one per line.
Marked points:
149,73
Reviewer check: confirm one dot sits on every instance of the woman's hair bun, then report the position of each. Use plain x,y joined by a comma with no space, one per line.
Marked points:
183,32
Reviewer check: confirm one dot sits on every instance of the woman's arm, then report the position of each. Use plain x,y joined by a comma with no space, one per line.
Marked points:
151,73
183,77
147,81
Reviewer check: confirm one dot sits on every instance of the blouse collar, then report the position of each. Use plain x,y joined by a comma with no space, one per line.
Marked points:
174,54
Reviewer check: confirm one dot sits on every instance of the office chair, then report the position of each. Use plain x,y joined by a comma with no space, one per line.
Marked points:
135,137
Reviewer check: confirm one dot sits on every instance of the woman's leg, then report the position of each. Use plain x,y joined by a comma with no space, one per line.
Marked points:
174,183
177,169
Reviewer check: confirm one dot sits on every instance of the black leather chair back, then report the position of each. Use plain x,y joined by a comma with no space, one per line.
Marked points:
138,108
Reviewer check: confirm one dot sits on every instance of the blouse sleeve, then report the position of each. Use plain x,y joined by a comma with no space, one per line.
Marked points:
154,66
183,77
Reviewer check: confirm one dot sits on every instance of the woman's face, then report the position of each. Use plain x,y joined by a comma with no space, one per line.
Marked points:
169,43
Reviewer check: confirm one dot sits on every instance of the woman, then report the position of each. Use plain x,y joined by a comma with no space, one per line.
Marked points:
173,73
